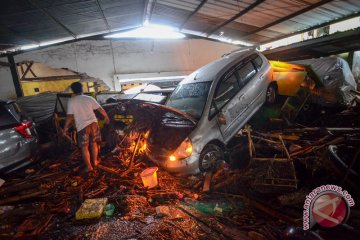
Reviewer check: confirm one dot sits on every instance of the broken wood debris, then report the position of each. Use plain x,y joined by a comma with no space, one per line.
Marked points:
54,190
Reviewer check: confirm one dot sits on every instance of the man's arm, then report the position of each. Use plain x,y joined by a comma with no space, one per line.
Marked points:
69,116
96,106
68,120
104,114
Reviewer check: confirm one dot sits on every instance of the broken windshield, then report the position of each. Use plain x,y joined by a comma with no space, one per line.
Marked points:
190,98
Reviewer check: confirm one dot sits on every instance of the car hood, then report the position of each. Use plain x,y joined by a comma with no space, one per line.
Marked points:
167,126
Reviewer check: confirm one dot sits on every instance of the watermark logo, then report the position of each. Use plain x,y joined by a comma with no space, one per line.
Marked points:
329,210
328,206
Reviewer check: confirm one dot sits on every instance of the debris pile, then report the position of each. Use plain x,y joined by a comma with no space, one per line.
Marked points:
57,200
257,193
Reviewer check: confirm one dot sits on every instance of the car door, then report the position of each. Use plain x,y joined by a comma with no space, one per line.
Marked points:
233,105
227,104
253,78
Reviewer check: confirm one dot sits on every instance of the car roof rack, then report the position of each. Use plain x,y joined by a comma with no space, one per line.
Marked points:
239,50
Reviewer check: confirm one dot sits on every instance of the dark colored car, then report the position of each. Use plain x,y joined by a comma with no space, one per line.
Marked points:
155,96
18,138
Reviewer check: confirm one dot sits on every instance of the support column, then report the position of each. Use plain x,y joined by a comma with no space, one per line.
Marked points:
15,76
351,59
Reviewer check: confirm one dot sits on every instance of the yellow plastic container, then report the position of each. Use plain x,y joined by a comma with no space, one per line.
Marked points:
91,208
149,177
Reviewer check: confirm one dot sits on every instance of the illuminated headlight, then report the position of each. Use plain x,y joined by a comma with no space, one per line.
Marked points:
183,151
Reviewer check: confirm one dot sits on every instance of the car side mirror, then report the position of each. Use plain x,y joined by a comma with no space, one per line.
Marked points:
221,118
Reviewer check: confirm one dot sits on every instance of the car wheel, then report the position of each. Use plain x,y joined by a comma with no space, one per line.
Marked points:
210,157
271,94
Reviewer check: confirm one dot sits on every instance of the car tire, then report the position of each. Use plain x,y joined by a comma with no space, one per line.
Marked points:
271,94
210,157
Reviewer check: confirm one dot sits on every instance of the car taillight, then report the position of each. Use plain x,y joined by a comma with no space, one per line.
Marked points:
24,129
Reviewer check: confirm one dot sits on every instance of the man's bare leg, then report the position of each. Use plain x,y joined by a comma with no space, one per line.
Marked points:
94,153
86,156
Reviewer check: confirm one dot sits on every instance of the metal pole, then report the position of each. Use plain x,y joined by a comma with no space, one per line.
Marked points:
15,76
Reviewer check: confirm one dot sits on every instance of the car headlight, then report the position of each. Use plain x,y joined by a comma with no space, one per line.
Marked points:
183,151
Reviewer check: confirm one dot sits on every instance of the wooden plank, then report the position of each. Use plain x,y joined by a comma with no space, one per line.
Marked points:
284,147
32,72
53,78
351,165
273,159
315,129
250,142
228,181
18,198
270,211
26,70
109,170
207,182
229,232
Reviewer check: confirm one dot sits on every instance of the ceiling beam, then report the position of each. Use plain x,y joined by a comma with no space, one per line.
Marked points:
337,43
16,34
146,3
295,14
148,10
52,17
103,15
192,14
4,53
242,12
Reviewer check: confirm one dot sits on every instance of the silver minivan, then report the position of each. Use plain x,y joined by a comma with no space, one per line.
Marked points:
218,99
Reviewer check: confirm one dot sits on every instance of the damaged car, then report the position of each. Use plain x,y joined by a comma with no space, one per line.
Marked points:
336,81
18,138
207,109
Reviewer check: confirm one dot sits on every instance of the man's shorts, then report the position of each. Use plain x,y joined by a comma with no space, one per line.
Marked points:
89,134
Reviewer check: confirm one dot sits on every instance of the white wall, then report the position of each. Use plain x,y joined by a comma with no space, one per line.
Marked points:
7,89
105,58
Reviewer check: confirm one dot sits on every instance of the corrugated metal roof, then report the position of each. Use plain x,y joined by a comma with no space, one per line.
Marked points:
29,21
270,11
224,9
330,11
165,12
319,47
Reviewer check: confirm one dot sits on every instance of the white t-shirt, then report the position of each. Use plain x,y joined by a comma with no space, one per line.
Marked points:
82,107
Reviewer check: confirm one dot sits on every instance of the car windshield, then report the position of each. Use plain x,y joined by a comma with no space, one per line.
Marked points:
190,98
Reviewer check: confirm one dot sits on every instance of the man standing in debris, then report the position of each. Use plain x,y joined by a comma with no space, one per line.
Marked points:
81,108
